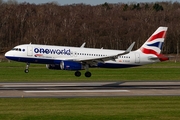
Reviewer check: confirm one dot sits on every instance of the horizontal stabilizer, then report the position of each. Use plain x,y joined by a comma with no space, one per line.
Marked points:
160,57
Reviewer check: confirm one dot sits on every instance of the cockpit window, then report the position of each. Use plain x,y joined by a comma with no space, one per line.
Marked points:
16,49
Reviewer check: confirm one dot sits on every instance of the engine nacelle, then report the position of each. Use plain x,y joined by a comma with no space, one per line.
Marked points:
53,66
71,65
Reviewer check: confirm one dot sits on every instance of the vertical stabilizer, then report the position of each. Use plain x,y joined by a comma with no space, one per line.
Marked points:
155,42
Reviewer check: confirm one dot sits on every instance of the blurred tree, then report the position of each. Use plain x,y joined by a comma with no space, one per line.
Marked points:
112,26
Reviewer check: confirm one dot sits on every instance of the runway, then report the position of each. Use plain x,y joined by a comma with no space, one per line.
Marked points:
89,89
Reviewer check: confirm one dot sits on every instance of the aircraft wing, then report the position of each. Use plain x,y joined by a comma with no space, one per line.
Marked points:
94,61
106,58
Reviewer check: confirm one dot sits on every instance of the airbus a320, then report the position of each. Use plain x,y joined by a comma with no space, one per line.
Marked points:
81,58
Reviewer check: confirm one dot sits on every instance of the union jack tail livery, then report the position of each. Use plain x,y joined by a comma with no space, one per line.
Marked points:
154,44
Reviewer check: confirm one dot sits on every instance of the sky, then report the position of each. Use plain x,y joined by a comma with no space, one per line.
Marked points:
91,2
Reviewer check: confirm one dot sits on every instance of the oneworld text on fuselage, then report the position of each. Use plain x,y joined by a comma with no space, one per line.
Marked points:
53,51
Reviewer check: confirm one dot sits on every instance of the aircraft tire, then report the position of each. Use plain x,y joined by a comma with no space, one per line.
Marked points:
26,70
88,74
77,74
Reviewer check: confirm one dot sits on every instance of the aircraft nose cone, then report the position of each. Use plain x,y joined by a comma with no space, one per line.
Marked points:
7,54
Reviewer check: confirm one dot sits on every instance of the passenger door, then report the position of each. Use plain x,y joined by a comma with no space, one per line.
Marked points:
29,51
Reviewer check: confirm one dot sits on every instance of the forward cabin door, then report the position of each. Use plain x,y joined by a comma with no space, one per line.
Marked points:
29,51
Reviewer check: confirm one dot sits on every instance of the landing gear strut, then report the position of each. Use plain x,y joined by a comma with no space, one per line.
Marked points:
27,68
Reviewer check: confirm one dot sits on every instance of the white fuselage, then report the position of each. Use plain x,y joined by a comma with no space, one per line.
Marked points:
47,54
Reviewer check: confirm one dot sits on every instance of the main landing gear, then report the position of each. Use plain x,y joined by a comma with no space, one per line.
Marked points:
27,68
87,73
78,74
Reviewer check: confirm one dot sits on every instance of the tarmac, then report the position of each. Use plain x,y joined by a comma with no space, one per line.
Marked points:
89,89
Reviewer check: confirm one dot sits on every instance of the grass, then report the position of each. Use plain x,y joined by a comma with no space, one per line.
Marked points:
125,108
108,108
14,72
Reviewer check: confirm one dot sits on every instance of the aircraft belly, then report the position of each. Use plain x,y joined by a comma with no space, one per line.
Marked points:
35,60
115,65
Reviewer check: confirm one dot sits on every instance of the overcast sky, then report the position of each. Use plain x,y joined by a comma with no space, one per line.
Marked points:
92,2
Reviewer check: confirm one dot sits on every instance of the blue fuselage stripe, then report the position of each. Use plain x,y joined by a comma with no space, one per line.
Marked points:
52,61
34,60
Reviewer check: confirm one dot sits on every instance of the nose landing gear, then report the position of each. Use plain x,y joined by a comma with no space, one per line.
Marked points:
27,68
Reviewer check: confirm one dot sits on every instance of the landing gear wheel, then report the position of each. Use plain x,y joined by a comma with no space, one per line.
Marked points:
88,74
26,70
77,74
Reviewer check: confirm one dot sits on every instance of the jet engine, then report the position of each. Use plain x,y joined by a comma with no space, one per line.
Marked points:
53,66
71,65
65,65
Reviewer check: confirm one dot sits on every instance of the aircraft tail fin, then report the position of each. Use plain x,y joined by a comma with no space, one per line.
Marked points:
155,42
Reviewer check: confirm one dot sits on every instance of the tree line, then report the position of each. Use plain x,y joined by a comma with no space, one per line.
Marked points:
111,26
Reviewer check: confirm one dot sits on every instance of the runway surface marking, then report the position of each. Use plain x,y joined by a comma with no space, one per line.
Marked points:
53,84
76,91
90,89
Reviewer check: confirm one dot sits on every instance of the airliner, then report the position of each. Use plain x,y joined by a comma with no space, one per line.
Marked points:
82,58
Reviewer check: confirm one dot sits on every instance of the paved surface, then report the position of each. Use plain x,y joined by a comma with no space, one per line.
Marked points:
90,89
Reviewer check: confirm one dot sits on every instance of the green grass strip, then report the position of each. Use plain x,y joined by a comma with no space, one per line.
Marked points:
113,108
14,72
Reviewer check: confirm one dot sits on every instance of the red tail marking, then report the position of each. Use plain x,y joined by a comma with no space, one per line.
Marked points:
149,51
160,56
158,35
